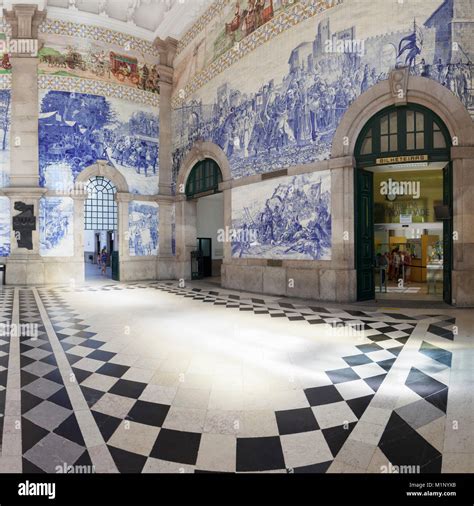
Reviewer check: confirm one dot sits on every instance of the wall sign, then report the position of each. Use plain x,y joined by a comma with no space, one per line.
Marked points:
401,159
406,219
24,224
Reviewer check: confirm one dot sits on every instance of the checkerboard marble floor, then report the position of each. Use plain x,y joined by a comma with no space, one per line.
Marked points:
154,377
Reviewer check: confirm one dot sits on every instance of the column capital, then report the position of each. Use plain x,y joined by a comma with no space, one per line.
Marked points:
123,197
165,74
167,50
24,20
26,192
165,199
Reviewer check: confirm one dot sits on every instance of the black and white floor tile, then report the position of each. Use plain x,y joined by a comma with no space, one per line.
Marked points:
161,407
6,307
320,428
50,433
420,424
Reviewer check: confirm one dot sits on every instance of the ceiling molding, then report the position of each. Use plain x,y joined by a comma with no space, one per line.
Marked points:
144,19
87,18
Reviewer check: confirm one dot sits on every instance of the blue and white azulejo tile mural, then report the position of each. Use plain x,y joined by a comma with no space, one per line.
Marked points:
280,105
5,99
77,129
4,226
143,228
56,226
283,218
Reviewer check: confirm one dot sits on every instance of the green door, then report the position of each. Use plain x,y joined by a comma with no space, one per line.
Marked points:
447,233
364,235
115,266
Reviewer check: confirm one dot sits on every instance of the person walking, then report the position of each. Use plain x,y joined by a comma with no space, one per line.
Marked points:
382,264
396,264
103,260
407,259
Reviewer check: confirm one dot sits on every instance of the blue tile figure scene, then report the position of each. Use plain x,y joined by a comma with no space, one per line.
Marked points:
5,99
56,226
77,129
291,117
283,218
5,226
143,228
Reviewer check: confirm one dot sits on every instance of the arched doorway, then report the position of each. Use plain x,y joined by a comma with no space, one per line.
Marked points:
403,206
202,189
100,229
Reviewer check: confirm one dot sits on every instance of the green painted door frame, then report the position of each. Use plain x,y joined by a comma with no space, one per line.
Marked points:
364,234
448,233
380,139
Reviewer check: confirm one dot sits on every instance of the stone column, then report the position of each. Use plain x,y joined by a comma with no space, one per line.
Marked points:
79,209
463,226
24,266
166,261
341,283
186,216
123,200
167,51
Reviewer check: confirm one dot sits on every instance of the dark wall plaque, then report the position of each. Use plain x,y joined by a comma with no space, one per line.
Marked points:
24,224
275,263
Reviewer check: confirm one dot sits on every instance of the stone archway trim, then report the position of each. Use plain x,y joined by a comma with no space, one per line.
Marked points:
419,90
102,168
199,152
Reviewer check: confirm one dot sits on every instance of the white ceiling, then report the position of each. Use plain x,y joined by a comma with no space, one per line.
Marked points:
146,19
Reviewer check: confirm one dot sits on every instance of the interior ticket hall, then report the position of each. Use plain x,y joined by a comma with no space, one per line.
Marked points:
236,236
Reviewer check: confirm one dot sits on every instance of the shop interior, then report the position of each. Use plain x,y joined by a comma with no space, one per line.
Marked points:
408,231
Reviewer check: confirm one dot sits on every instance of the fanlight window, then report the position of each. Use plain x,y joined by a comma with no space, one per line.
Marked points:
401,131
205,177
100,207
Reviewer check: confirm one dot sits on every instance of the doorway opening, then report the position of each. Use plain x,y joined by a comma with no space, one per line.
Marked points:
202,187
100,230
403,207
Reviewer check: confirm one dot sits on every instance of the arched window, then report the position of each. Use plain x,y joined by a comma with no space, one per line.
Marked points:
205,177
403,131
100,208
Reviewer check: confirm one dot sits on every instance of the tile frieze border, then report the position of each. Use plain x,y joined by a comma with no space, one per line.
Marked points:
92,32
301,11
5,81
98,33
102,88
